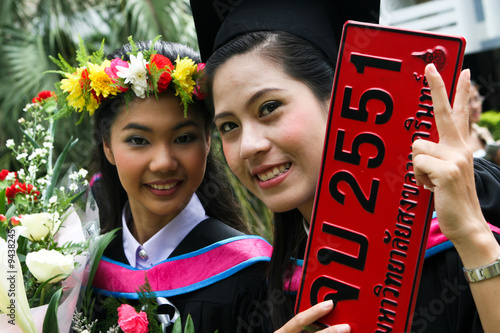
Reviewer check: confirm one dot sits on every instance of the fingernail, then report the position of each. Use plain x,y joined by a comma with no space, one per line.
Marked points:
431,68
344,328
467,72
327,304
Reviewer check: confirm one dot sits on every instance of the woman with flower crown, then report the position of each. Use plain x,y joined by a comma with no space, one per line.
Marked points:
269,72
181,234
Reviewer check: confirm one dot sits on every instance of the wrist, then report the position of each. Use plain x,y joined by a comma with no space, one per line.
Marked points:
479,248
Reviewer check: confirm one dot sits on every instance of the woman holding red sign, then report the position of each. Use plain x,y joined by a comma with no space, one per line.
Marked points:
270,80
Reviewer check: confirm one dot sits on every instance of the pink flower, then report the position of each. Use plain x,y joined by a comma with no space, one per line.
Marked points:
112,70
131,321
200,88
3,218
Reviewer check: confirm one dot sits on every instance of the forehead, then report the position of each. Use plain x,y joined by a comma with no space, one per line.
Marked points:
473,90
165,109
245,74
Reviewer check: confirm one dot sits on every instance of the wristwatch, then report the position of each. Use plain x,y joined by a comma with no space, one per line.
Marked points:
483,273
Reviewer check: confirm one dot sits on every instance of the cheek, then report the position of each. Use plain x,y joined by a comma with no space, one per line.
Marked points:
232,155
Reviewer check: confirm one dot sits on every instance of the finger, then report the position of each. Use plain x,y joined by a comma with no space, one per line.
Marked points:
461,104
306,318
342,328
448,131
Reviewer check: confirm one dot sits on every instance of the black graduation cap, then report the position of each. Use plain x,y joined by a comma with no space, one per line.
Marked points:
318,21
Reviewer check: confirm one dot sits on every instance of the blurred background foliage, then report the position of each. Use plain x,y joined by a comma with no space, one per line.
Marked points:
491,120
31,30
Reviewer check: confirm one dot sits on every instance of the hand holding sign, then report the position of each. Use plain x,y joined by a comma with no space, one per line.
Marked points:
309,316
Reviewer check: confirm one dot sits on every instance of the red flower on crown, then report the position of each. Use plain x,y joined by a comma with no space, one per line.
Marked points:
20,188
161,62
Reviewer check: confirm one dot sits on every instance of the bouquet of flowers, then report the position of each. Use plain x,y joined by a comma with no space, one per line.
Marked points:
42,243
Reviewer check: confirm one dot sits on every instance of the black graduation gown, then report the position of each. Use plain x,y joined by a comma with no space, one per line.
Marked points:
225,305
444,302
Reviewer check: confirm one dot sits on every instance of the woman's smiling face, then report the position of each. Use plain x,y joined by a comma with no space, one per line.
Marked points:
272,128
159,154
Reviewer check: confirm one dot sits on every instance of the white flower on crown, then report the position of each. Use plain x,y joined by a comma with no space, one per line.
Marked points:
135,74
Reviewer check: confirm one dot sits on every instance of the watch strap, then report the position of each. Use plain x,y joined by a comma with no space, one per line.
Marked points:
483,273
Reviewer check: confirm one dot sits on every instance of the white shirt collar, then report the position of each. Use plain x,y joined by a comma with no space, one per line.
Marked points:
164,242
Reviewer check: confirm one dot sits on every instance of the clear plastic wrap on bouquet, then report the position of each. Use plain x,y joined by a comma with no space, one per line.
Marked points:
78,226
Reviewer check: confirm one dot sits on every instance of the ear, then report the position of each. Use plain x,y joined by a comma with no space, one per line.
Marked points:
108,152
209,142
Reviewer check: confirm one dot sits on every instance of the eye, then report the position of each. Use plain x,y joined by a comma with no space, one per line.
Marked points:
269,107
137,141
184,138
227,127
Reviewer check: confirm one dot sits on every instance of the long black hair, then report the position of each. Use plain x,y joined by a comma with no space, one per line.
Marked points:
215,192
302,61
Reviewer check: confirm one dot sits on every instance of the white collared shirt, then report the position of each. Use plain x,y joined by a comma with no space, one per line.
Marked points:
164,242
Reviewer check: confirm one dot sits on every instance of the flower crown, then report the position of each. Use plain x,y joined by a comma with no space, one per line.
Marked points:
98,79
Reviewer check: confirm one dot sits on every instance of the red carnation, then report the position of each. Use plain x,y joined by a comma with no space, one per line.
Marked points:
23,188
4,173
161,62
42,95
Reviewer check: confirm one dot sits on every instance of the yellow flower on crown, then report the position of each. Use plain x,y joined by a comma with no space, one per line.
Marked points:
80,96
73,85
184,70
100,80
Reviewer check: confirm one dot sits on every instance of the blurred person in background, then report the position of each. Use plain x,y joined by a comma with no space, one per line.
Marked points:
479,136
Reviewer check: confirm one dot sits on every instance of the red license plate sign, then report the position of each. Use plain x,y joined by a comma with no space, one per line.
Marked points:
370,220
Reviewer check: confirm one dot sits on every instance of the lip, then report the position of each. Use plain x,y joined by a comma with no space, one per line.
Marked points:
164,192
266,184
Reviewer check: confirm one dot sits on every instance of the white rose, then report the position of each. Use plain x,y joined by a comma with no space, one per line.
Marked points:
36,226
46,264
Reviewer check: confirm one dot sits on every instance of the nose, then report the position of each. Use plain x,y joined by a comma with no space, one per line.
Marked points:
254,140
163,160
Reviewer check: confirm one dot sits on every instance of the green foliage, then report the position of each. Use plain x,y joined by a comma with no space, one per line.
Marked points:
34,30
254,212
50,321
491,120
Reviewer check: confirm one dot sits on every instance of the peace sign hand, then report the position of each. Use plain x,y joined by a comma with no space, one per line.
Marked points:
447,167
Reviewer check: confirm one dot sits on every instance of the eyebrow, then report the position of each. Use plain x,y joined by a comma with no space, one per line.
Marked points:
138,127
148,129
251,100
259,94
